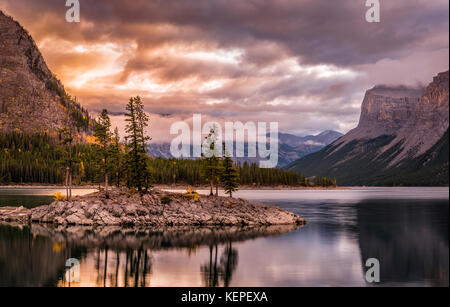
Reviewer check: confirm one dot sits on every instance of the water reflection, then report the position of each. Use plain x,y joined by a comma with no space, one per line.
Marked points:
114,256
29,260
220,273
124,257
409,237
104,267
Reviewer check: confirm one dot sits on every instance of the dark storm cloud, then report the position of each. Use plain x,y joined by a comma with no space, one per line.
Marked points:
318,31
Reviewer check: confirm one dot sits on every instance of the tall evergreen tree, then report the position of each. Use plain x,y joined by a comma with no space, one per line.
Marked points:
137,158
211,161
142,119
68,159
103,136
117,157
230,175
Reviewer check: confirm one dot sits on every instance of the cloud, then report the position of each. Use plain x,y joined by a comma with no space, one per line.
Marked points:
311,142
304,63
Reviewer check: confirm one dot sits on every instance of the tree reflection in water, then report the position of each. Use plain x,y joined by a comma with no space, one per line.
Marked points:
129,268
213,273
123,257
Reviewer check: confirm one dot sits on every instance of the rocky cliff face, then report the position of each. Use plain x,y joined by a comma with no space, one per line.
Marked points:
31,98
431,117
400,130
416,117
385,110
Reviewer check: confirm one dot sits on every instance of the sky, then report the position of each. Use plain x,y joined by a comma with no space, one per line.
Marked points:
303,63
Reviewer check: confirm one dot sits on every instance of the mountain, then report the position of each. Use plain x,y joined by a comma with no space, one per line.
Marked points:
401,139
32,99
290,147
322,139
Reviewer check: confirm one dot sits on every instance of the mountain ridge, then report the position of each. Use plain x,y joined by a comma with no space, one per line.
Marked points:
399,129
32,99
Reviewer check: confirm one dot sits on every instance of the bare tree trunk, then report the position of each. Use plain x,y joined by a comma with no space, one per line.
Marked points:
105,268
215,283
211,184
106,185
70,185
67,184
117,269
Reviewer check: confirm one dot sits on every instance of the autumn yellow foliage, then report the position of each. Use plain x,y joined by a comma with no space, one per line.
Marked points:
91,140
190,192
58,197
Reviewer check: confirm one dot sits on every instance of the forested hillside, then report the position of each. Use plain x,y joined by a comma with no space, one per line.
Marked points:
36,158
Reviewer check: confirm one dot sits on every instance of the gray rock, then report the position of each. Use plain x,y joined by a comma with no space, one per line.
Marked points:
94,210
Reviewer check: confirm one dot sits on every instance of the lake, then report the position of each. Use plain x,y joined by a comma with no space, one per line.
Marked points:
406,229
32,197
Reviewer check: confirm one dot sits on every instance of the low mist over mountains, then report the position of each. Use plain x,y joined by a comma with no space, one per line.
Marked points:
291,147
32,100
401,139
321,139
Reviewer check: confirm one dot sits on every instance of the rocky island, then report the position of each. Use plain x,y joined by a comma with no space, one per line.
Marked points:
158,208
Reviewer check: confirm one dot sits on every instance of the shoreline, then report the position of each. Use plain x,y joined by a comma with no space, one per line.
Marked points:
245,188
206,187
174,187
158,208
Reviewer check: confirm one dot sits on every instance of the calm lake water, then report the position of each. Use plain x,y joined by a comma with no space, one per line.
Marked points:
405,228
33,197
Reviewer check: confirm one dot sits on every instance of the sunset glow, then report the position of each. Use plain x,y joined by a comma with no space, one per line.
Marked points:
261,60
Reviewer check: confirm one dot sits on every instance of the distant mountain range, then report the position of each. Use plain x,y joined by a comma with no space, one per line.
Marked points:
402,139
290,147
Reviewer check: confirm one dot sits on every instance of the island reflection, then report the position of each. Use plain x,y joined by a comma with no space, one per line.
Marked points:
409,238
120,257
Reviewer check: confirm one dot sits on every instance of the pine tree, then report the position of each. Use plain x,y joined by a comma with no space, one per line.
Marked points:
103,136
137,158
142,119
230,175
117,157
211,161
68,159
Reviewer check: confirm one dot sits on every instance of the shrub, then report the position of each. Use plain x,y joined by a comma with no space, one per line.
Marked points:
58,197
192,194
